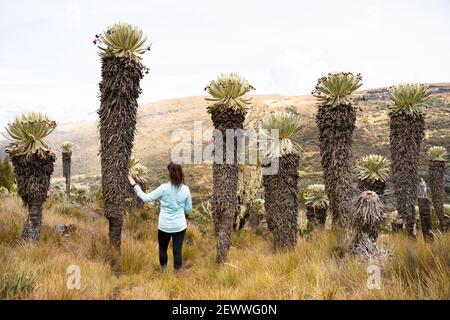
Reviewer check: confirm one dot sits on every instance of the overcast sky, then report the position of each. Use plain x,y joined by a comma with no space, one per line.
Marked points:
48,62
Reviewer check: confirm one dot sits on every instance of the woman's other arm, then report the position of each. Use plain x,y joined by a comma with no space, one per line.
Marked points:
188,202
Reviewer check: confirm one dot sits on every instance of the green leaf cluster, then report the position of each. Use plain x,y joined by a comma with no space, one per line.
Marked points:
67,147
335,89
373,167
122,40
315,195
279,130
227,92
26,135
437,153
408,98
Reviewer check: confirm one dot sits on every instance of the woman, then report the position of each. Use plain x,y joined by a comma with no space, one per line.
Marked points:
175,201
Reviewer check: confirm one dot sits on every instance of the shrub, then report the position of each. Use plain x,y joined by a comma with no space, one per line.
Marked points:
7,176
198,218
3,191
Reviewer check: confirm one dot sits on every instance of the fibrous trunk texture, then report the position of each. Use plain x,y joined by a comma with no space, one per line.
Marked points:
406,135
225,177
370,185
425,218
437,185
336,126
67,157
33,180
255,218
281,201
32,226
119,91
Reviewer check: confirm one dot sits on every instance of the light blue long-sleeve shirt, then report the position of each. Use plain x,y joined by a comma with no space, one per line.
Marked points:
174,203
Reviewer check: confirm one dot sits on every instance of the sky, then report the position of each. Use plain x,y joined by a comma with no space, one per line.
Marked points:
48,62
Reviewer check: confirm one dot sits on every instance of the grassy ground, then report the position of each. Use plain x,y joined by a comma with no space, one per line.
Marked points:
315,269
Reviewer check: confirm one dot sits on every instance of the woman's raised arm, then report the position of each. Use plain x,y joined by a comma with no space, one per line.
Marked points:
149,197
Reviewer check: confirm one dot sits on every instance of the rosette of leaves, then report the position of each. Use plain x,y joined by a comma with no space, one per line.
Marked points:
122,40
372,172
437,153
26,135
228,92
280,131
316,201
316,196
336,88
409,98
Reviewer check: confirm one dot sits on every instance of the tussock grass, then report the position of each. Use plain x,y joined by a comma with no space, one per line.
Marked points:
67,209
317,268
16,285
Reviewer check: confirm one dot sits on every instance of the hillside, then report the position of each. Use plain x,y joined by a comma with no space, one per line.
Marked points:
158,120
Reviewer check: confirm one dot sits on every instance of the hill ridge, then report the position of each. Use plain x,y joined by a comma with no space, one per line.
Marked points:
158,119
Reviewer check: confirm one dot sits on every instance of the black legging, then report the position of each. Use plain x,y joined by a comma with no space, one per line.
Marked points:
177,246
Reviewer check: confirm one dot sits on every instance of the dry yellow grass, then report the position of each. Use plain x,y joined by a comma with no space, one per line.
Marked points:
315,269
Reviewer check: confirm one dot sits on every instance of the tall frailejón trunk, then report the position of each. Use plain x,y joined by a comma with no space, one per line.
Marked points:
281,201
32,226
406,136
425,218
316,215
336,126
311,214
33,180
67,159
437,176
424,211
119,91
321,216
225,175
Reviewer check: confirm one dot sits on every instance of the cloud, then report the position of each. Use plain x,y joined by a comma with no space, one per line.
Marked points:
48,62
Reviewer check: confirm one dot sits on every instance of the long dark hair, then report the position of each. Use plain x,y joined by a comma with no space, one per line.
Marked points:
176,174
